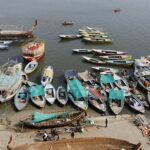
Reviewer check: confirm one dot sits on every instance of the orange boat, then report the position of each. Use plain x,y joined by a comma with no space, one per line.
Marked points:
33,50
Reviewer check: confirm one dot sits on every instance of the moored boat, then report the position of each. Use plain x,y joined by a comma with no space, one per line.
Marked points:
10,80
82,50
148,97
54,119
71,74
70,36
97,40
62,95
134,102
77,94
93,60
106,69
125,63
3,46
12,32
47,75
33,50
5,42
50,93
95,99
36,94
30,67
116,100
21,98
108,52
116,57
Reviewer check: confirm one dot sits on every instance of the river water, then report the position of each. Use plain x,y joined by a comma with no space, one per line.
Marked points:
129,30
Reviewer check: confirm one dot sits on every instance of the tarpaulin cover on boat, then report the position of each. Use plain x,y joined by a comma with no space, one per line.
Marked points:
116,94
77,89
38,117
36,90
107,78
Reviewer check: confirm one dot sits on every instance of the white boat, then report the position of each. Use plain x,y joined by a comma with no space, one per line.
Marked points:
106,69
70,36
108,52
47,75
97,40
122,84
5,42
62,95
50,93
21,98
93,60
82,50
135,103
116,57
10,80
30,67
3,46
36,94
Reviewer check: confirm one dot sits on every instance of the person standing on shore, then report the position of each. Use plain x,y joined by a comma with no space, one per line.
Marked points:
72,135
106,122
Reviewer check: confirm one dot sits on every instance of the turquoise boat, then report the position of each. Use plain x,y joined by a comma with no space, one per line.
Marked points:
116,100
51,120
77,94
36,94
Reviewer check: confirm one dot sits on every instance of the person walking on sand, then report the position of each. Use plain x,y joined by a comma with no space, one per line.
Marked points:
106,122
72,134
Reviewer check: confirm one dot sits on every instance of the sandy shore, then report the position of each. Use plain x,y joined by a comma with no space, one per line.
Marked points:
120,127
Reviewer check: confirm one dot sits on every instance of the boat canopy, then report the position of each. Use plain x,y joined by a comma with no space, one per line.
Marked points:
116,94
36,90
38,117
77,89
106,78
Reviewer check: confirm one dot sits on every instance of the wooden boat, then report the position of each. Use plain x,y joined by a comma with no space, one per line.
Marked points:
62,95
36,94
106,69
12,32
122,83
50,93
124,63
144,82
97,40
108,52
86,76
97,36
5,42
77,94
30,67
33,50
86,143
116,100
47,75
3,46
65,23
82,50
107,81
134,102
71,74
95,99
10,80
93,60
117,10
21,98
52,120
70,36
116,57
